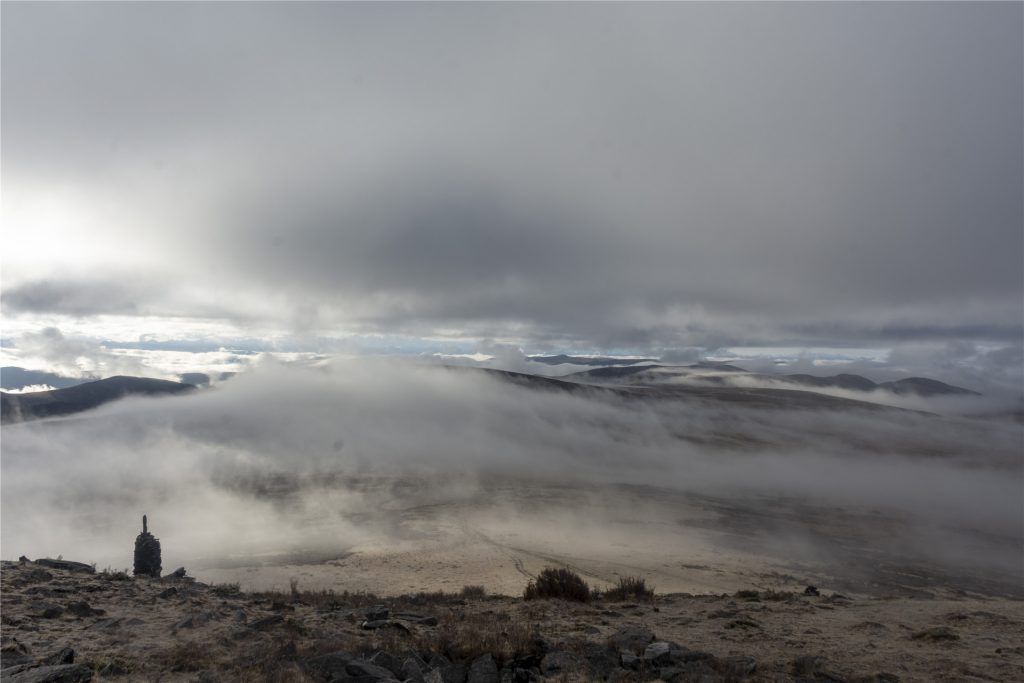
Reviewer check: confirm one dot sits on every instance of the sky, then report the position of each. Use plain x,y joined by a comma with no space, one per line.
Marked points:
841,181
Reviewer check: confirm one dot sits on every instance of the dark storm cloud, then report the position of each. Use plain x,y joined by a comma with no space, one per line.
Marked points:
646,175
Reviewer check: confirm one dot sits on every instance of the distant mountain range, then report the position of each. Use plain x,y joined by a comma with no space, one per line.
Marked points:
632,381
589,360
13,378
653,374
85,396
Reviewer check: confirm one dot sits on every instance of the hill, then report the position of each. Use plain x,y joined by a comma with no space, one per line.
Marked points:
71,400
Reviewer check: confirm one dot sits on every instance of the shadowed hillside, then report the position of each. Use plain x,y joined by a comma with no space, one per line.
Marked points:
19,407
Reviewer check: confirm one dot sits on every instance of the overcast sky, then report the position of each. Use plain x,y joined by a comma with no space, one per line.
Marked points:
619,176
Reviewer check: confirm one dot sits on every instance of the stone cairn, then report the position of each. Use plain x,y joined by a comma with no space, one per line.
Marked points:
147,553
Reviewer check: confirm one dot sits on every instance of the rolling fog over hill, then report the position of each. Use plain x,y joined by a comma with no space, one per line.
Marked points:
290,462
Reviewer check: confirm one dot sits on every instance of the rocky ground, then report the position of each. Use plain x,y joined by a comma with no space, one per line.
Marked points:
63,622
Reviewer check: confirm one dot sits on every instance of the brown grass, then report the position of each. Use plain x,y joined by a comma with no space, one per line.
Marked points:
630,588
558,583
470,636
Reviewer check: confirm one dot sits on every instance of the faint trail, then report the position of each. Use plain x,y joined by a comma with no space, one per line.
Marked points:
478,535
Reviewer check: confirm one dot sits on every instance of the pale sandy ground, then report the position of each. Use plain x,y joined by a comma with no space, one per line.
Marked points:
503,534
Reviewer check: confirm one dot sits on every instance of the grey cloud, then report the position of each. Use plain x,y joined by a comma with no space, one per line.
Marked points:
76,297
645,176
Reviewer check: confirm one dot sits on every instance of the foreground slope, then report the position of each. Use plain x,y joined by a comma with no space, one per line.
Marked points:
110,627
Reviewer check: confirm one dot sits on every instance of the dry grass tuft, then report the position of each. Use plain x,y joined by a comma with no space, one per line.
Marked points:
473,592
630,588
558,583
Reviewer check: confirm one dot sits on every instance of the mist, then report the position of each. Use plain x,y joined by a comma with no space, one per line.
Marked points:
317,459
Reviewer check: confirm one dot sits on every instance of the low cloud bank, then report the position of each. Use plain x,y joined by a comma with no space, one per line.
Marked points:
278,459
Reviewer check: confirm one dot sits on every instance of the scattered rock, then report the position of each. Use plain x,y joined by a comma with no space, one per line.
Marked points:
658,654
743,623
412,670
194,621
739,667
633,639
327,667
483,670
114,668
378,613
65,656
266,622
937,633
67,565
33,575
812,590
389,662
360,667
47,610
807,665
62,673
110,623
559,662
82,609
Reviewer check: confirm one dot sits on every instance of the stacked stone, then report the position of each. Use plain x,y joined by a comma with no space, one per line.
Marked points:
147,553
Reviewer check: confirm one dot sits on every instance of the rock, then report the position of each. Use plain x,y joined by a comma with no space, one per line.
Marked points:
47,610
436,661
628,660
374,625
193,621
743,623
412,670
168,593
65,656
483,670
426,621
67,565
811,590
657,654
937,633
178,574
434,676
378,613
114,668
62,673
560,662
266,622
33,575
110,623
453,673
407,616
14,653
327,667
739,667
360,667
631,639
807,665
82,609
389,662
